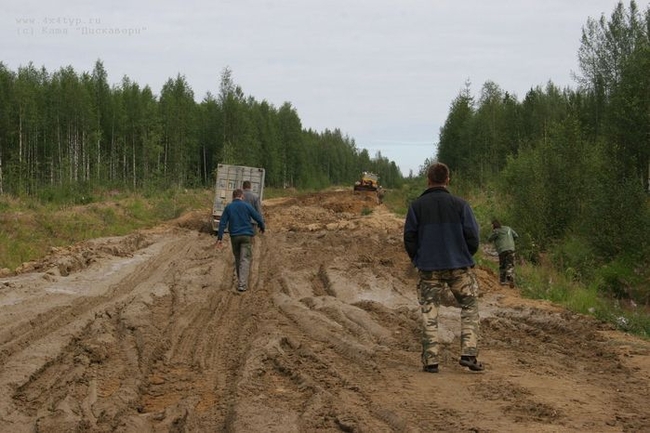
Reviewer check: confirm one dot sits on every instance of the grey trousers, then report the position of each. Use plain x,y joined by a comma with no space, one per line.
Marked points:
243,252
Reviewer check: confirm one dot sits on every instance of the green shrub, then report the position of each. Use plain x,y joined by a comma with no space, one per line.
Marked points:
624,279
4,205
75,194
629,319
584,300
138,210
575,258
165,209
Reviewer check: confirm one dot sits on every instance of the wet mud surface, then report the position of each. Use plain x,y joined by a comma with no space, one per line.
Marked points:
146,333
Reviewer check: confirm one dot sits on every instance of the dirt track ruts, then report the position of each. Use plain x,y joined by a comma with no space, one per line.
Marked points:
145,333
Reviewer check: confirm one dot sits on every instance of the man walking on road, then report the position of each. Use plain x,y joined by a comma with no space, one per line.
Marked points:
251,197
238,217
440,236
504,241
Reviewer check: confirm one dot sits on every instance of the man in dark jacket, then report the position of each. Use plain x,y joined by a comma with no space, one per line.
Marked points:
238,217
440,236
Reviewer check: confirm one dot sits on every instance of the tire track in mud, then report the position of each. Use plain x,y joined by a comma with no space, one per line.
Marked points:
209,344
320,332
27,330
562,346
60,320
91,332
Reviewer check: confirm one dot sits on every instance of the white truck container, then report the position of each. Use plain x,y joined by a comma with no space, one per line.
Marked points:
229,178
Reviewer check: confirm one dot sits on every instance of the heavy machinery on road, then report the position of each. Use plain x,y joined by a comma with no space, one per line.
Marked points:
367,182
229,178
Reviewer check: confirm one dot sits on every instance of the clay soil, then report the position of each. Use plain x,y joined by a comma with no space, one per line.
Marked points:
146,333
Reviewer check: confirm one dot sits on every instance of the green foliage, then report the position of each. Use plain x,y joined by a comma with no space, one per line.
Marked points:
484,261
29,229
18,241
570,273
80,224
456,143
166,209
619,218
77,194
398,200
575,258
636,321
567,165
624,315
394,199
414,188
485,208
137,209
66,134
545,283
523,194
606,45
539,283
270,192
460,184
624,278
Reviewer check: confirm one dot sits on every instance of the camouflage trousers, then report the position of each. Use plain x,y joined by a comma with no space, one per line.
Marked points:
242,250
463,284
506,266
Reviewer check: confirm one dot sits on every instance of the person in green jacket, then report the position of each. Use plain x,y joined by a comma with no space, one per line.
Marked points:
504,241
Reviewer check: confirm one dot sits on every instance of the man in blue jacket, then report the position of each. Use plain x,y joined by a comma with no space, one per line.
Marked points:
440,236
238,217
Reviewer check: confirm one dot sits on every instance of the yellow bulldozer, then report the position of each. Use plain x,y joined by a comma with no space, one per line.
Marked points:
368,185
367,182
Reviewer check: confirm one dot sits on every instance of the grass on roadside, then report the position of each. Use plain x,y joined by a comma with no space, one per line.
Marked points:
29,228
539,282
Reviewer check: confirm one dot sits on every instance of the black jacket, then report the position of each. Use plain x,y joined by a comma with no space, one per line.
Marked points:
440,231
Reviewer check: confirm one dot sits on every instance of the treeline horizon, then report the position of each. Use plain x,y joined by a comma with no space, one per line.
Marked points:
570,169
73,131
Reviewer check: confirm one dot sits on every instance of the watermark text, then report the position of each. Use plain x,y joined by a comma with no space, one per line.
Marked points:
71,25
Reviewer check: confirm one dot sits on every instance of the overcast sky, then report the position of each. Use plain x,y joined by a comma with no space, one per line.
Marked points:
383,72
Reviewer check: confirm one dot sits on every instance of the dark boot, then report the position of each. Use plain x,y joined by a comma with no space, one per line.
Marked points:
471,362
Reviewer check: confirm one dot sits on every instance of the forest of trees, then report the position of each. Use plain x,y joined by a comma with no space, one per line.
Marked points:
70,130
571,167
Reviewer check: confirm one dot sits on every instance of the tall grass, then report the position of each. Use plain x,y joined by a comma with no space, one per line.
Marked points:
30,227
545,282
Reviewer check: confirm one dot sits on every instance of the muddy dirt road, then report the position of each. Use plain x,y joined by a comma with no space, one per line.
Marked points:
145,333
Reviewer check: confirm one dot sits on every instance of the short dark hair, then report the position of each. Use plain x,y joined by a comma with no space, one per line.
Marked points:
238,193
495,223
246,184
438,173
